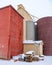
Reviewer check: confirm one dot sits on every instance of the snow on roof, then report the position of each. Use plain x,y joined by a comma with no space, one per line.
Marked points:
32,42
28,41
40,41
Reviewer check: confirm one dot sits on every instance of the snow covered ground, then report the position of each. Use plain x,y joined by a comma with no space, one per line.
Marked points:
47,61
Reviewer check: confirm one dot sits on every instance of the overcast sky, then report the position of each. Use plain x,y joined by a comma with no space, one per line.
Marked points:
38,8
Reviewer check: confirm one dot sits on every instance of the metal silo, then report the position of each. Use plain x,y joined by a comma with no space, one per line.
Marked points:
45,33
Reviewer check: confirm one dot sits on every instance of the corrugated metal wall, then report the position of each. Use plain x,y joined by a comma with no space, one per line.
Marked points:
45,34
30,30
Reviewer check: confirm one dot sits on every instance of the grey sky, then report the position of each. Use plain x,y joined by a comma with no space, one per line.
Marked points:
38,8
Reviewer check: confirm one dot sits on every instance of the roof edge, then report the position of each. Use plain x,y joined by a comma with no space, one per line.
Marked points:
12,8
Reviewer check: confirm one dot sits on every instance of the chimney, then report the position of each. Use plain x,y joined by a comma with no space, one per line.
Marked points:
20,6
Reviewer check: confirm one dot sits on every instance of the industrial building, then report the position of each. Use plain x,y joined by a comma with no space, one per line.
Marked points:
28,24
36,46
26,16
19,33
